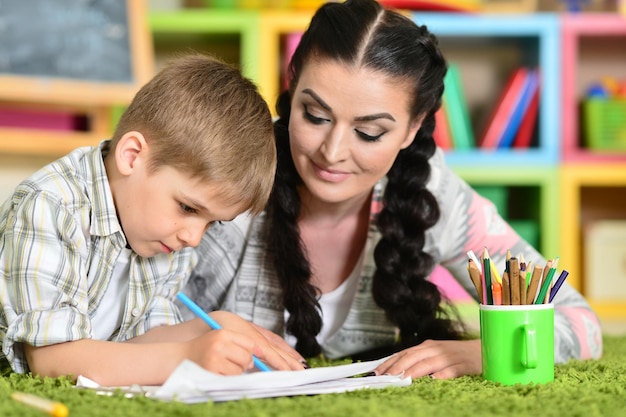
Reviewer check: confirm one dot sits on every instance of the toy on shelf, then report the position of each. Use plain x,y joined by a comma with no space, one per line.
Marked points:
603,115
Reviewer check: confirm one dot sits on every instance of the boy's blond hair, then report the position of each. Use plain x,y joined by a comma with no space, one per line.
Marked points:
203,117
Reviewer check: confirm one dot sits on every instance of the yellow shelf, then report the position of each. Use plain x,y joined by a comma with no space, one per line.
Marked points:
573,179
276,24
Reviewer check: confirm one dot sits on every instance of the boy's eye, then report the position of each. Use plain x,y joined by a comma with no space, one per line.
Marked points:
186,209
368,138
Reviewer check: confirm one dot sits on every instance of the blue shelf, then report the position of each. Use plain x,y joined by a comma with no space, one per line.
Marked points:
536,34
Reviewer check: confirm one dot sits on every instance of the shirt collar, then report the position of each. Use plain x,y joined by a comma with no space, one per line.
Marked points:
104,220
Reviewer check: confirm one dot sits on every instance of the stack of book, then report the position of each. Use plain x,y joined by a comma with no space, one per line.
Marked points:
512,120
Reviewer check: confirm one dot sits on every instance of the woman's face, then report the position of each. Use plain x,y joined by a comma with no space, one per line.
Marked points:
346,128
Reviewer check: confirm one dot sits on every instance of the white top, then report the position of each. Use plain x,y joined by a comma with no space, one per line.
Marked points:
335,306
110,313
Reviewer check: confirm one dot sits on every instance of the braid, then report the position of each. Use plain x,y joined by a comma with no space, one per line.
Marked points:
290,262
399,284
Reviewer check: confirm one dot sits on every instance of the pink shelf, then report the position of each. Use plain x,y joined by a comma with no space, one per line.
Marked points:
575,27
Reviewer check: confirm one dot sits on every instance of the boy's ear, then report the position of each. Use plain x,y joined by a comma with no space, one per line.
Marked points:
129,148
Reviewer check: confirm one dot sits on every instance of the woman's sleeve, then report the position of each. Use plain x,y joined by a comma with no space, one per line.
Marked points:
218,256
471,222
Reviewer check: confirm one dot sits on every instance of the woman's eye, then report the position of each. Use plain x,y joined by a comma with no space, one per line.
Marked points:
186,209
368,138
314,119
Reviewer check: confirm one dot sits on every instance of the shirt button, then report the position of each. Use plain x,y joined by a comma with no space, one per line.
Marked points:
135,312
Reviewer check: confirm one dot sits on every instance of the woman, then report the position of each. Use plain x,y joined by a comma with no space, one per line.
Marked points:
364,208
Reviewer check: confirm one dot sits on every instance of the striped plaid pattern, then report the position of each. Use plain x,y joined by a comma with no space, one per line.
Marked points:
60,241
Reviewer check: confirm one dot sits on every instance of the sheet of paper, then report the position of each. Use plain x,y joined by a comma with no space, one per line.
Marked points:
191,383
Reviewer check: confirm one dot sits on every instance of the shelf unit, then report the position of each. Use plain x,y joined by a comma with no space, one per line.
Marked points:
593,192
255,34
594,46
543,182
534,40
205,30
592,183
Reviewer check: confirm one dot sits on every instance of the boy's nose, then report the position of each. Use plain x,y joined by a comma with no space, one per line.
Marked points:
192,236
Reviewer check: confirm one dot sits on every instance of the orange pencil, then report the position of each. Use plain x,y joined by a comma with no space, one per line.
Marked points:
497,293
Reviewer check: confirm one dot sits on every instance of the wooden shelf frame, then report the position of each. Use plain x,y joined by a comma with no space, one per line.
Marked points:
544,27
575,27
546,179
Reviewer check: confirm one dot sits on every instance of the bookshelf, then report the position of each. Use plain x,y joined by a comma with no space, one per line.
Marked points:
592,182
593,47
506,42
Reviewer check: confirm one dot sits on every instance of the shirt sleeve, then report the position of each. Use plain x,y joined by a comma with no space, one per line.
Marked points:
219,257
44,293
470,222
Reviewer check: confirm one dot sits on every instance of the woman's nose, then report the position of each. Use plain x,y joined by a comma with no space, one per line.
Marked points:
335,147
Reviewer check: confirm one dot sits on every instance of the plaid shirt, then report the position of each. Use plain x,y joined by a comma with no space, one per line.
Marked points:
60,241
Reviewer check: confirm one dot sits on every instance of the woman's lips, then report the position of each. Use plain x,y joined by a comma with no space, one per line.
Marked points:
329,174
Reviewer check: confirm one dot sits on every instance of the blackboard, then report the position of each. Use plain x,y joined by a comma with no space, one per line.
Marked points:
76,39
96,43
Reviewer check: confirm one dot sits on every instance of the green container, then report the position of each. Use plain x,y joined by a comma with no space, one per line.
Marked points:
517,343
605,124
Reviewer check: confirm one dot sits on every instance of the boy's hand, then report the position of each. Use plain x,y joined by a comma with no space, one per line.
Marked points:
223,352
269,347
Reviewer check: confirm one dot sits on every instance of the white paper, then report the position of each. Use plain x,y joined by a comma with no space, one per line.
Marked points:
191,383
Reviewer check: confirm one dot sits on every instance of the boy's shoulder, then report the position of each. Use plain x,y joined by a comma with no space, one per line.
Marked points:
76,181
68,176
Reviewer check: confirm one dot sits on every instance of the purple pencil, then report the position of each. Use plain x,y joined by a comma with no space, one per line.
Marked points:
558,284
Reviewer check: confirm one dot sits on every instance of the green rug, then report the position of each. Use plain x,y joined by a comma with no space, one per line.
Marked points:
581,388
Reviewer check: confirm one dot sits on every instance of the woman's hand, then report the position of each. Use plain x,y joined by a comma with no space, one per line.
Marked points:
441,359
269,347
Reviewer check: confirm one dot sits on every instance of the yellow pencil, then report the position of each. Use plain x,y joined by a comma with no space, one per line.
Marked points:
55,409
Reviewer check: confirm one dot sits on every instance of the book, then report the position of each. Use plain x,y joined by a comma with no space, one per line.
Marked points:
190,383
524,135
461,132
441,134
519,111
291,43
501,115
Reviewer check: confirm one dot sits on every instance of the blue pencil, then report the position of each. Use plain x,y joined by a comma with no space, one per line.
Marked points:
557,285
214,325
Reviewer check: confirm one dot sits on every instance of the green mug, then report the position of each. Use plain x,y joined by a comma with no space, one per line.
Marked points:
517,343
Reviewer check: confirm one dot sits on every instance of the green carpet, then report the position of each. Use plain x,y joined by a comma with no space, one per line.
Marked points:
581,388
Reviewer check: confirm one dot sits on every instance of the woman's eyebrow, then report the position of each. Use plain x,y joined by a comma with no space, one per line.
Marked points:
374,117
317,98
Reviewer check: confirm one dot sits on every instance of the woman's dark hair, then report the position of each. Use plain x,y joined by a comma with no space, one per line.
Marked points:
362,33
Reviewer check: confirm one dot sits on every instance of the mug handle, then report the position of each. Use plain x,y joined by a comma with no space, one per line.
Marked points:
529,346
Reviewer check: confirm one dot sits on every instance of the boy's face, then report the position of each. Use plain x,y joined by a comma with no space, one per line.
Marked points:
166,210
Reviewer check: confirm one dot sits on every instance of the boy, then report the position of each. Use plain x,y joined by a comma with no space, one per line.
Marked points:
95,246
